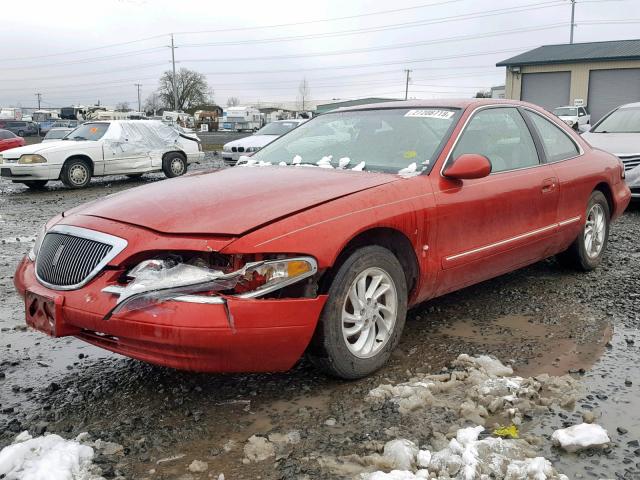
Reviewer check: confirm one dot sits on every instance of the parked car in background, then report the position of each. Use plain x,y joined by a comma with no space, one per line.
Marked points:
232,151
56,134
321,245
19,127
618,132
9,140
65,124
575,117
117,147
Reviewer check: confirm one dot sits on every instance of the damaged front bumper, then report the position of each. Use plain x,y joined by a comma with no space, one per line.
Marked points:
189,332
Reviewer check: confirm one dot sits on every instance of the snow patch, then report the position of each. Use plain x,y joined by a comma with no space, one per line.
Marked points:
359,167
409,171
579,437
343,162
49,457
402,453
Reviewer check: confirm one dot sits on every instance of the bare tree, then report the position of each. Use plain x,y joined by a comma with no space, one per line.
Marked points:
122,107
192,88
233,102
486,94
304,94
152,104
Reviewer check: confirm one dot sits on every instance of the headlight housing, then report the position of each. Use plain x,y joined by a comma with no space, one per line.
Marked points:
569,122
33,253
30,159
1,159
161,279
252,149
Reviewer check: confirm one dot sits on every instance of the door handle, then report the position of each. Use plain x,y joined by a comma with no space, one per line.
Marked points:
549,185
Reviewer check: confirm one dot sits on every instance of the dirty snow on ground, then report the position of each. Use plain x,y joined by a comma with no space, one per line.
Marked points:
484,395
49,457
579,437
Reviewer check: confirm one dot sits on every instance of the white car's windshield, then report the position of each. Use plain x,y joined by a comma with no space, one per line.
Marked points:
88,131
384,140
56,134
566,112
623,120
277,128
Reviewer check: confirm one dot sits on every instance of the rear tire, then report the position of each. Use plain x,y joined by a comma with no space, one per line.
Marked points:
174,165
76,173
587,250
359,327
36,184
21,133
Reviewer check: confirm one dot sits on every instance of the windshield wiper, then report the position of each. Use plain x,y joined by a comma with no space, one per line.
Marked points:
79,138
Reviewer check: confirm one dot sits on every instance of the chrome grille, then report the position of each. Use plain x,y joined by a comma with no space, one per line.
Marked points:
66,260
630,162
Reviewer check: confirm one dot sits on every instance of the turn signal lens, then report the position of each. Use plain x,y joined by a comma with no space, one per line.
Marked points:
298,267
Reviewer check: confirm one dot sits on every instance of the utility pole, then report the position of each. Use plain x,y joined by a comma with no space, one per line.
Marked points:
406,86
573,16
139,104
175,86
39,95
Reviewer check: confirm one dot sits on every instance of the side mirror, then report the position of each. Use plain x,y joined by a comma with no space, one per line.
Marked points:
468,166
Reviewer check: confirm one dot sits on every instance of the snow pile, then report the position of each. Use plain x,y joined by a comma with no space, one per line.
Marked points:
409,171
49,457
258,449
343,162
579,437
479,387
359,167
465,458
325,162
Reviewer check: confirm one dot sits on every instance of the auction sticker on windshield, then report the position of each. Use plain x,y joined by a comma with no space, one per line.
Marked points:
444,114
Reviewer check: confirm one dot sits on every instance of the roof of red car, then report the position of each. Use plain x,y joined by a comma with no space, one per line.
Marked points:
446,102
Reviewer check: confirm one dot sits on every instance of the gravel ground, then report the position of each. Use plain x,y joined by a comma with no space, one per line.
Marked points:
541,319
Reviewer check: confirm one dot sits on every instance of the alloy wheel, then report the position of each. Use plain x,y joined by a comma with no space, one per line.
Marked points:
369,312
177,166
594,231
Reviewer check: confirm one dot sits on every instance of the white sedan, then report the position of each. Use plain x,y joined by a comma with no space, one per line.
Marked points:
94,149
232,151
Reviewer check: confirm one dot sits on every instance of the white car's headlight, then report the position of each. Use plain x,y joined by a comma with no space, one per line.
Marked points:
252,149
158,280
569,122
33,253
1,159
31,159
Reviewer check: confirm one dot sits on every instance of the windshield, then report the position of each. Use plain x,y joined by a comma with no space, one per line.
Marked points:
56,134
277,128
385,140
623,120
88,131
566,112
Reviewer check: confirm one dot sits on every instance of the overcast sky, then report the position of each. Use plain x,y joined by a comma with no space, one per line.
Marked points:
78,52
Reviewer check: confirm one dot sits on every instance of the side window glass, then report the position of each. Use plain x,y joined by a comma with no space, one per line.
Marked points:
557,144
501,135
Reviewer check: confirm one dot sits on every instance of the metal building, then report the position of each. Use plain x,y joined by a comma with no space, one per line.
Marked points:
601,75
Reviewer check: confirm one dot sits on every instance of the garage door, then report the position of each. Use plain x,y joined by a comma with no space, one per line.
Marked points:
549,90
611,88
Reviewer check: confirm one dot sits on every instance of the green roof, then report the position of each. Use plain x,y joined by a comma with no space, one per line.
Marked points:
576,53
327,107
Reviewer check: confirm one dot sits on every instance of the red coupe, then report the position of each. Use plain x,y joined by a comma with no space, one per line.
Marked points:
321,241
9,140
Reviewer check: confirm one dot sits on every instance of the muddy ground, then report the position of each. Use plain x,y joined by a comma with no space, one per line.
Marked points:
542,319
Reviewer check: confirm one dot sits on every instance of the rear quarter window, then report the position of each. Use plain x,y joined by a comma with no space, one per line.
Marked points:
557,144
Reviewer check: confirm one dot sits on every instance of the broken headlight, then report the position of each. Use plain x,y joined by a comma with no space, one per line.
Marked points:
157,280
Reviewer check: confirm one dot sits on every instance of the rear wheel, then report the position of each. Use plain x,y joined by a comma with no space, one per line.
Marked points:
363,318
36,184
21,133
76,173
586,252
174,165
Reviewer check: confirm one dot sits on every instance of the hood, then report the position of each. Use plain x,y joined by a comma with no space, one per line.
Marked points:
568,117
230,201
42,148
616,143
252,141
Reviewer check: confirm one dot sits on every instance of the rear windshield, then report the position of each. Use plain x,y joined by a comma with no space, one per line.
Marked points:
88,131
384,140
623,120
566,112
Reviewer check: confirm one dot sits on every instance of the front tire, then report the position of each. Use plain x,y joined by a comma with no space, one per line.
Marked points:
363,318
174,165
36,184
76,173
586,252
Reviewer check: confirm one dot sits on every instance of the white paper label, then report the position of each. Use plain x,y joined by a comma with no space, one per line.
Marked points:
444,114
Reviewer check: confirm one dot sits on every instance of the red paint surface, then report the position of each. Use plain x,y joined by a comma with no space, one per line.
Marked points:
461,231
14,142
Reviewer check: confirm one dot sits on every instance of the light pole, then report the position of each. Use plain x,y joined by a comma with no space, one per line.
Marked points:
573,16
